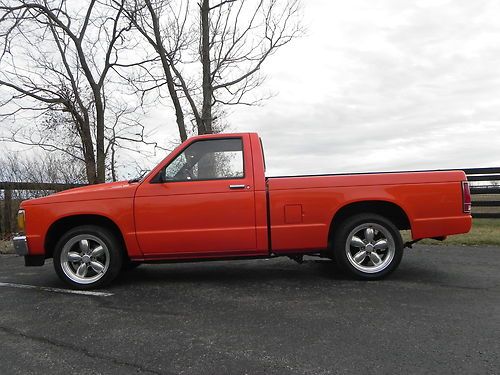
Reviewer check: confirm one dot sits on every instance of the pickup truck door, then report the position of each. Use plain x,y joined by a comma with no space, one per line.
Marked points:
201,203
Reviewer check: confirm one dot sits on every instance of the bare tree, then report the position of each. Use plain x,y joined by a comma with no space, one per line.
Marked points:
40,168
146,17
56,64
212,59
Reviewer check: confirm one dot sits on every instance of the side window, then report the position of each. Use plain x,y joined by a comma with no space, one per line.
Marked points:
208,160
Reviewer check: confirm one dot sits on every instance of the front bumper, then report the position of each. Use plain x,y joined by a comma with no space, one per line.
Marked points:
20,245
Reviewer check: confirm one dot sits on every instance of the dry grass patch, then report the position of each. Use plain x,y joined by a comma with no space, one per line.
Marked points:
6,247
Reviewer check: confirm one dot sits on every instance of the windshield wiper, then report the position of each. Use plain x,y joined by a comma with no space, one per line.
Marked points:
138,179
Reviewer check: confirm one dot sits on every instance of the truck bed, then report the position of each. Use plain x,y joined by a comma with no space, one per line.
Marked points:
301,207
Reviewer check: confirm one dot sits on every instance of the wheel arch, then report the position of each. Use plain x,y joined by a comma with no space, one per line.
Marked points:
62,225
387,209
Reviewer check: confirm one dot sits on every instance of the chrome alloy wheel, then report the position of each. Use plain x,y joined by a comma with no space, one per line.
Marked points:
370,247
85,259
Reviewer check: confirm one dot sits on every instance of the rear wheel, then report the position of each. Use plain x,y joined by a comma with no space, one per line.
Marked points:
368,246
87,257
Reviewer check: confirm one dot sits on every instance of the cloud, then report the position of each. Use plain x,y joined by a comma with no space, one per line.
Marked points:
384,85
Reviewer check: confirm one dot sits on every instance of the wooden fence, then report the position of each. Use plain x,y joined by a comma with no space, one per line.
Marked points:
485,189
10,205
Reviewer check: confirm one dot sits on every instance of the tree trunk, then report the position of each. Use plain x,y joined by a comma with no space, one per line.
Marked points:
88,150
90,170
206,111
101,154
179,114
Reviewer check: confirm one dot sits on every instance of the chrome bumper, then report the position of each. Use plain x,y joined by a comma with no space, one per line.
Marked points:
20,245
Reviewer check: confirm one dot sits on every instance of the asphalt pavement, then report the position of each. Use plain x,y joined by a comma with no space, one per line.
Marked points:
439,313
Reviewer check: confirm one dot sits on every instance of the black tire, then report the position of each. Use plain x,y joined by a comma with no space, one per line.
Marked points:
84,242
349,256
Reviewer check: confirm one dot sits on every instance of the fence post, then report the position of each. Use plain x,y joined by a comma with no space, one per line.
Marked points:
7,214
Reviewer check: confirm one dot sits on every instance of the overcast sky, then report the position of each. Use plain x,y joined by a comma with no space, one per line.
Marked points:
375,85
383,85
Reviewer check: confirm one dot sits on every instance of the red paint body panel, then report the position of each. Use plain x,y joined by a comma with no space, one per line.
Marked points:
201,218
207,219
434,209
113,201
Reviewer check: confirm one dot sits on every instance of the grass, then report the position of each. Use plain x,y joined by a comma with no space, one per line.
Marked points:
483,232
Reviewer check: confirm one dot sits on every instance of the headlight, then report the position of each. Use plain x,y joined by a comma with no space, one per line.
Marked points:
21,221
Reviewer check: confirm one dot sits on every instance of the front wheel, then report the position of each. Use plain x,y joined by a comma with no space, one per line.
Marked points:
368,246
87,257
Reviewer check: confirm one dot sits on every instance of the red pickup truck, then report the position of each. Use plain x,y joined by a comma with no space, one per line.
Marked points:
210,200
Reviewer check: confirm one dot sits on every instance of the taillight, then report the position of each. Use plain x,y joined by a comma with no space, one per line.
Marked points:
466,198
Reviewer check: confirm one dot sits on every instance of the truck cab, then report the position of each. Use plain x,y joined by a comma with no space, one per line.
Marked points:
204,201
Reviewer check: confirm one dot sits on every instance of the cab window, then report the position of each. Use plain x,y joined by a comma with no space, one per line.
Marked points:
212,159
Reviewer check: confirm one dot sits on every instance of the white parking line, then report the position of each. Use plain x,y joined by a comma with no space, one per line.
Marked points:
56,290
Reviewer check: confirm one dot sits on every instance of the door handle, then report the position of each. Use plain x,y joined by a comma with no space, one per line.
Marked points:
237,186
